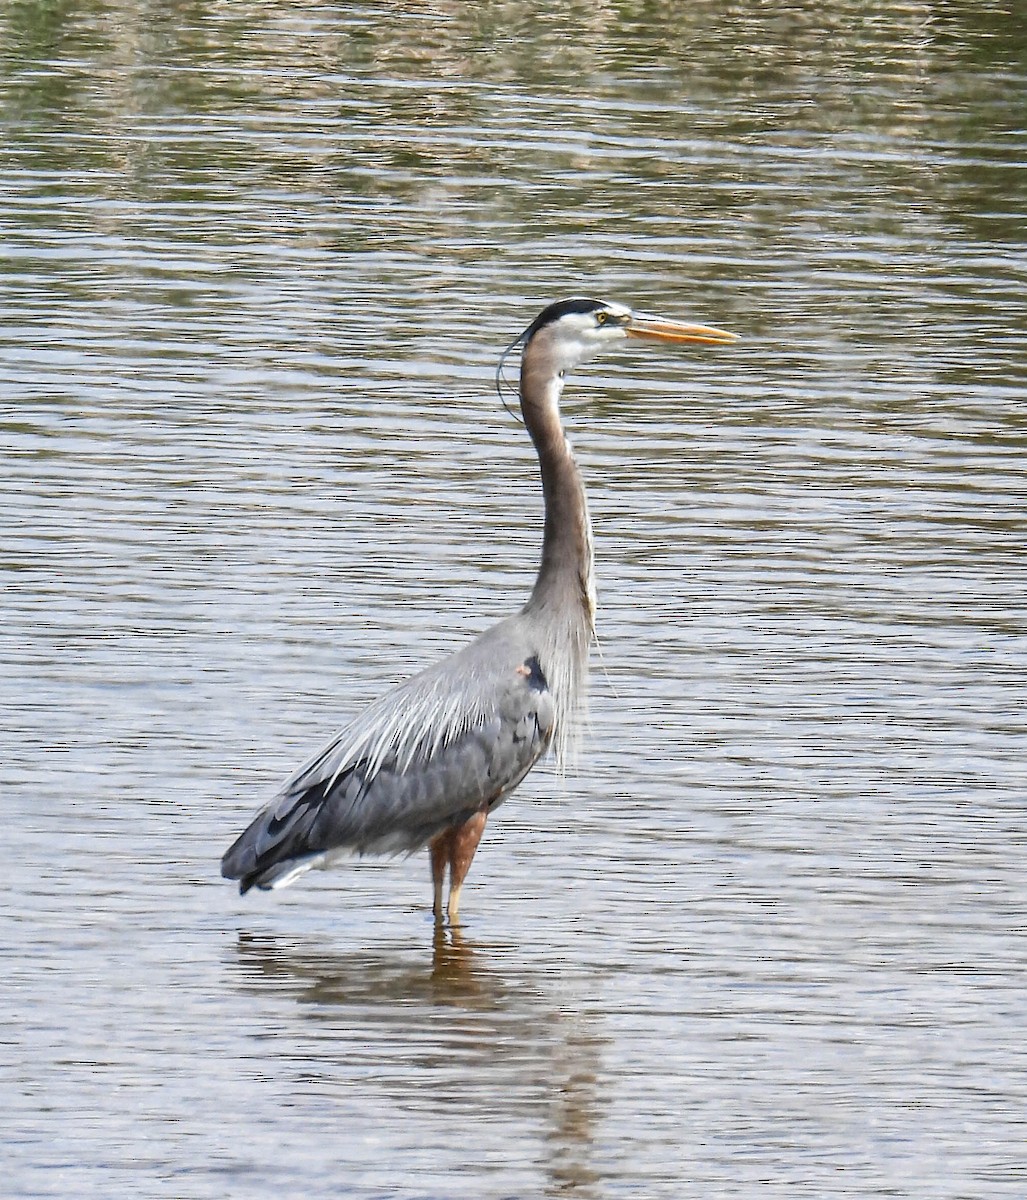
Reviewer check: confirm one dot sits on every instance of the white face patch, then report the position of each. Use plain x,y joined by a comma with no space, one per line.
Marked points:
577,337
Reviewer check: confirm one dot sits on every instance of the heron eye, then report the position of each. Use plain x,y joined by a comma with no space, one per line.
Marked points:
602,318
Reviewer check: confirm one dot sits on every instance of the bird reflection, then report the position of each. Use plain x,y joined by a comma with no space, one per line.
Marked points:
452,1033
454,971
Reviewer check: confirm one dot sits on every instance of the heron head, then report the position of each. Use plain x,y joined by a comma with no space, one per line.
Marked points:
570,332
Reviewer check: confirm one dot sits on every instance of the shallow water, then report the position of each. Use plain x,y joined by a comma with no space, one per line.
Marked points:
259,263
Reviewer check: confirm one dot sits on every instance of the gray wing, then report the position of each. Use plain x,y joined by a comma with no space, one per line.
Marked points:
457,738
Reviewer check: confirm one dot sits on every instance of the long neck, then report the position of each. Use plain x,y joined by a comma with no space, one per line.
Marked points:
565,580
562,604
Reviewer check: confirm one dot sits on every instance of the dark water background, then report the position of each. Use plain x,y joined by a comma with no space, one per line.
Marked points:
257,262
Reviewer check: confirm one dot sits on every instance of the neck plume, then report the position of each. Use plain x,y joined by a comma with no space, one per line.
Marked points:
562,603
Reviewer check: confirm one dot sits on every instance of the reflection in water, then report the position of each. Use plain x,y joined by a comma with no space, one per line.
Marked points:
452,1033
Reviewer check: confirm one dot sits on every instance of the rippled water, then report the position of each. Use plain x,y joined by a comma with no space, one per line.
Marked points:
258,265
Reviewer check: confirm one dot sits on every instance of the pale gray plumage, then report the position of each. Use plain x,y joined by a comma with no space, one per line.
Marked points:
417,760
425,763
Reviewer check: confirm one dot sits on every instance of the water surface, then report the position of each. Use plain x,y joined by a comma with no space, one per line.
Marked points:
258,265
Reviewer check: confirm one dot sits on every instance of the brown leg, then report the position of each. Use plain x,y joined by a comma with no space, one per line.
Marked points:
462,845
438,849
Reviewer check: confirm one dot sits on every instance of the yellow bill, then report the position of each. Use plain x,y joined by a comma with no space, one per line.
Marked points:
656,329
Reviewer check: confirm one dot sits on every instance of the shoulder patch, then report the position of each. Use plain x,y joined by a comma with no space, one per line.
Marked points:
532,672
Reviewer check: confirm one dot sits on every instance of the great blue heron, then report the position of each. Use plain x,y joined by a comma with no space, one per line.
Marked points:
427,762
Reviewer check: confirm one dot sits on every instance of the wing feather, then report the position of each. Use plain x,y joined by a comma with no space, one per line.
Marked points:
425,756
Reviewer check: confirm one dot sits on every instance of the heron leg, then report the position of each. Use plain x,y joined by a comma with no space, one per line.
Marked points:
438,849
463,841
